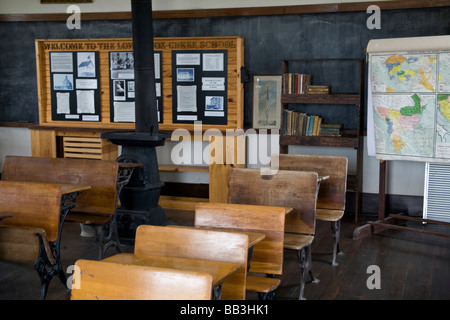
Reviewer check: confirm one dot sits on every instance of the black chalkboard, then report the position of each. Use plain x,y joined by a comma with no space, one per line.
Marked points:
268,40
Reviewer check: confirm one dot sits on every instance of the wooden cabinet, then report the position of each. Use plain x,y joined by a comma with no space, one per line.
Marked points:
351,137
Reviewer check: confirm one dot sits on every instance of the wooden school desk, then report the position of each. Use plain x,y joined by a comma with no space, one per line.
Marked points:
218,269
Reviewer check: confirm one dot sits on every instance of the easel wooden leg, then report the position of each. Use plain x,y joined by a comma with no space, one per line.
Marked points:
382,191
369,229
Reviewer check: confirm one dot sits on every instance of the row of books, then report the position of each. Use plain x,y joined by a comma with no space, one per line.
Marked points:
300,83
302,124
295,83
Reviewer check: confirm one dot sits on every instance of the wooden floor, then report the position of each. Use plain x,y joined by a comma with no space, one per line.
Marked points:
412,266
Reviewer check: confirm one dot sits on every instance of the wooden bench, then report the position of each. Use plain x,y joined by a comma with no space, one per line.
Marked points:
293,189
98,280
332,192
267,255
95,207
30,234
198,244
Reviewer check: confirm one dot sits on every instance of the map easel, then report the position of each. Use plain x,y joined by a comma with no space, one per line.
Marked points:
405,82
384,223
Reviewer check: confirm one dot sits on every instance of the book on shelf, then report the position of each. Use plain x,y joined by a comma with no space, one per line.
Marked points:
331,129
295,83
297,123
315,89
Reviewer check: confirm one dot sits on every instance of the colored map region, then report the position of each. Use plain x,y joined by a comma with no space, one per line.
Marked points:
404,124
444,72
409,105
403,73
443,126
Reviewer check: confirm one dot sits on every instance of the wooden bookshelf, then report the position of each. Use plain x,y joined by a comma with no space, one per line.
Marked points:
336,98
348,139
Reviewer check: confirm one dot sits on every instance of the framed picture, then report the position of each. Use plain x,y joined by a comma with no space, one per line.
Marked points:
267,101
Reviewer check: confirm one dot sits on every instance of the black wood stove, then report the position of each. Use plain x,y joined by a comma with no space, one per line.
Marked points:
139,198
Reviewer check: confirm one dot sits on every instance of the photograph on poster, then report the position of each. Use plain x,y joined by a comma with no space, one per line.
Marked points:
131,89
122,65
185,75
119,90
214,103
62,81
86,64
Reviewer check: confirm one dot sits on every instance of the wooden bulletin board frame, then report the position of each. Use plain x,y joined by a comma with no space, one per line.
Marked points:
234,47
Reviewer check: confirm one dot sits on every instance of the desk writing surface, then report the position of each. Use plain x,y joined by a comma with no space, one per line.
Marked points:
71,188
219,270
66,188
253,237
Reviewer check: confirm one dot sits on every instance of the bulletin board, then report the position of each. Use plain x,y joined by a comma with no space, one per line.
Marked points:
199,86
74,78
122,86
89,83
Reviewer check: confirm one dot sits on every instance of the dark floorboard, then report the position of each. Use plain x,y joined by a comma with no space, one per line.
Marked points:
412,266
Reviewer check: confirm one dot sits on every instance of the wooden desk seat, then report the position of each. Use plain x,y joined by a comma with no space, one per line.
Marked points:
198,244
97,206
20,244
32,231
267,255
332,191
297,190
98,280
293,242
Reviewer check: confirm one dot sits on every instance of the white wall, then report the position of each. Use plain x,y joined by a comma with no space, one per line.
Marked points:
404,177
14,142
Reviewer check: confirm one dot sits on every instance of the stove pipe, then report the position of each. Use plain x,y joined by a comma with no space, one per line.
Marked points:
139,198
144,67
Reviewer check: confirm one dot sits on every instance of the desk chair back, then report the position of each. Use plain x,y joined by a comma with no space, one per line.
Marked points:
97,280
297,190
199,244
332,190
100,175
32,205
267,256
